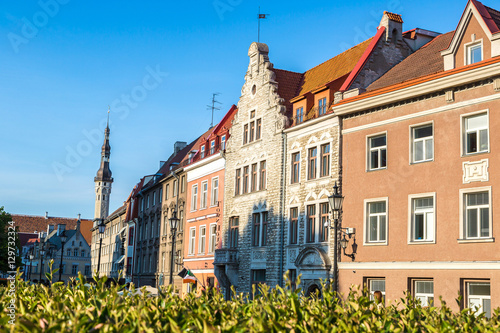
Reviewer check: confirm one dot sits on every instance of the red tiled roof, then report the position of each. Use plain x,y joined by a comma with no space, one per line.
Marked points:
394,17
27,238
490,16
33,224
288,85
426,60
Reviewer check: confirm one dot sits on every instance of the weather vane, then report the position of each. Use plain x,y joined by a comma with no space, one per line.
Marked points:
261,17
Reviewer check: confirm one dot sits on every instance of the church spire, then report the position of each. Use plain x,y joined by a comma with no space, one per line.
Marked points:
103,179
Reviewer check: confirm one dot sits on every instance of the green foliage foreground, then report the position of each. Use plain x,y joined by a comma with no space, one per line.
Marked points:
79,308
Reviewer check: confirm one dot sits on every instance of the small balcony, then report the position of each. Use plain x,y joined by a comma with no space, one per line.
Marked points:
226,257
313,113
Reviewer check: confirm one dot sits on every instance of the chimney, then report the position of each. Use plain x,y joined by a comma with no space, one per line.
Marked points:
178,146
78,223
60,228
50,228
46,215
393,24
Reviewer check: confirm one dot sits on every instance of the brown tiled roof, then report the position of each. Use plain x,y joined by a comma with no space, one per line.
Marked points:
394,17
32,224
332,69
426,60
495,15
288,85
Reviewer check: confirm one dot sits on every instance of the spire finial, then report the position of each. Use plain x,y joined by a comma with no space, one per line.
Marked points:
109,109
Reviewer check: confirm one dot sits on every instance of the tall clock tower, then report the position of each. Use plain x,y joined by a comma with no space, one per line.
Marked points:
103,180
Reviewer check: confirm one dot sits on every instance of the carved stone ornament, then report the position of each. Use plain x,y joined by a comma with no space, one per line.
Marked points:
475,171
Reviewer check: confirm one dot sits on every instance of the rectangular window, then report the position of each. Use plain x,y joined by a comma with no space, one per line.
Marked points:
147,202
376,222
474,54
245,179
237,185
202,154
167,191
325,160
245,134
479,297
423,290
295,168
194,197
252,131
299,115
192,240
263,241
476,138
161,195
422,223
204,194
376,285
233,232
202,240
294,224
323,227
212,147
313,154
258,277
213,238
322,106
311,224
263,178
223,142
87,270
258,131
378,152
214,196
183,184
175,188
74,270
253,187
477,215
255,229
154,198
423,143
75,252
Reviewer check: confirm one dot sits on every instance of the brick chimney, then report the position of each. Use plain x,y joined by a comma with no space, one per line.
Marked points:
393,24
178,146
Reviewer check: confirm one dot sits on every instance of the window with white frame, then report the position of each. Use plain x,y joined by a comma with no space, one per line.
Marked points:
377,155
423,143
202,154
223,142
194,197
204,194
295,174
376,222
376,284
476,214
202,239
212,242
422,219
423,290
479,297
325,160
474,53
475,136
212,147
192,240
214,196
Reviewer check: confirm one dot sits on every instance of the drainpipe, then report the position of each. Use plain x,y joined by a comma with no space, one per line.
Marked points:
282,208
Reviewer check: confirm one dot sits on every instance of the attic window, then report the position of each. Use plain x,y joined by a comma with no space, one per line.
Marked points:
474,53
395,36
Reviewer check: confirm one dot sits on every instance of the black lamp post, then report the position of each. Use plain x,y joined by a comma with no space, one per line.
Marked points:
63,238
30,256
42,254
174,222
336,201
102,228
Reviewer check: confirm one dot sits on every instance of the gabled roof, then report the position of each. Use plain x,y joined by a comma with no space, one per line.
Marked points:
490,16
426,60
288,85
32,224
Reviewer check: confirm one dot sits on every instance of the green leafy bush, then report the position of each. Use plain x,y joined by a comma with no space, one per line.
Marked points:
100,308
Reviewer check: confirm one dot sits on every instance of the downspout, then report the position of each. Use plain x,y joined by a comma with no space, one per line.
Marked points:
282,207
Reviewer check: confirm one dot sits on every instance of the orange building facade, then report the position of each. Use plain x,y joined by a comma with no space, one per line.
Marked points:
205,192
419,160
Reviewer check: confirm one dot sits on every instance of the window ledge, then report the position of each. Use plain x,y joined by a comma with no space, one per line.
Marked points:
421,162
476,240
373,170
477,153
416,242
375,244
251,142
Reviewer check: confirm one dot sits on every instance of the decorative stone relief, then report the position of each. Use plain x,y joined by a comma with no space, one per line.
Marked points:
292,255
476,171
258,255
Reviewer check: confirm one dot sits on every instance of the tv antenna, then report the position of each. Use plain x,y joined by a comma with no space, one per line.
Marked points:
213,107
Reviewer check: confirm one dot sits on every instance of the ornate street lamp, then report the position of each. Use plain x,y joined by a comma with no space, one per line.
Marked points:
102,229
42,254
174,223
63,238
336,201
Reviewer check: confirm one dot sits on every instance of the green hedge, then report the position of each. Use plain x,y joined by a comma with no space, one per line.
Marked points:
79,308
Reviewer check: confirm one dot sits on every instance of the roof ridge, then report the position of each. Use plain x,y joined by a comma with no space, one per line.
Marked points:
50,217
434,40
285,70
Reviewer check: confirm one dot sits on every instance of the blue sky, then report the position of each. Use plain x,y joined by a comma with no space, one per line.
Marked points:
157,63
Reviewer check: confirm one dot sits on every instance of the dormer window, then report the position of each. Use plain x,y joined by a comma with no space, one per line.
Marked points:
474,53
223,142
202,151
212,147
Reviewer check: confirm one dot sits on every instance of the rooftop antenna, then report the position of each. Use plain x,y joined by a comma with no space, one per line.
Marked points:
261,17
213,107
